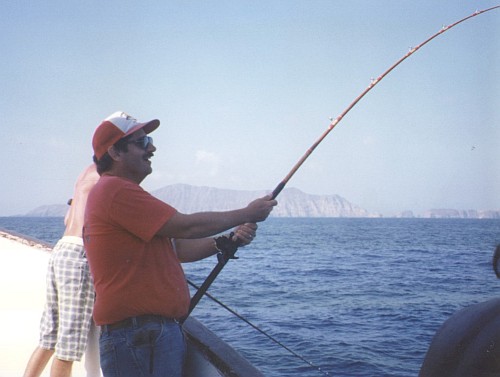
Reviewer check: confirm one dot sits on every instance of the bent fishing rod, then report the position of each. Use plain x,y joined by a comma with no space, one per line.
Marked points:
226,246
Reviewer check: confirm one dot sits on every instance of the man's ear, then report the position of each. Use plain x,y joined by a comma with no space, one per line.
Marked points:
114,153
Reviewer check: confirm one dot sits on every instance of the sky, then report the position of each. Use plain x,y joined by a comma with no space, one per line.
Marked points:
244,88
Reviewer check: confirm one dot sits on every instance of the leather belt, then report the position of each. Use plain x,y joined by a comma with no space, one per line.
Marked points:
135,321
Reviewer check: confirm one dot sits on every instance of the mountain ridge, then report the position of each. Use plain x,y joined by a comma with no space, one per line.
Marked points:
292,202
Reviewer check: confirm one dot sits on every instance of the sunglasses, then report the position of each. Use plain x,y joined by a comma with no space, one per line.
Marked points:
143,142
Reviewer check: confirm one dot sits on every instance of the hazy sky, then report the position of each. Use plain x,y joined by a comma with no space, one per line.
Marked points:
243,88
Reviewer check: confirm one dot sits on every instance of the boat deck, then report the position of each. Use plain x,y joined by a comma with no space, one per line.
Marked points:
22,297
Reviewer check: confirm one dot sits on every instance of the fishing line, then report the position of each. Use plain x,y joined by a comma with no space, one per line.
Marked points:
260,330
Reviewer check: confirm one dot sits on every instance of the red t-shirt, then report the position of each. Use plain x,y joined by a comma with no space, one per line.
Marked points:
134,271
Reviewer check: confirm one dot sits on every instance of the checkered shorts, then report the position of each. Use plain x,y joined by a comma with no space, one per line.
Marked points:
67,316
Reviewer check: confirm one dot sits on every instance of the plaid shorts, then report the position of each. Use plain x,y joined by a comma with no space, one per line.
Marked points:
67,316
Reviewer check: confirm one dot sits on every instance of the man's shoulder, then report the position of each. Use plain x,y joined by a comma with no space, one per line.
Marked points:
116,181
111,187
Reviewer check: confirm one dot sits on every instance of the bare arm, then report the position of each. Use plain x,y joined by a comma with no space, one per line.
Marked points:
74,217
205,224
196,249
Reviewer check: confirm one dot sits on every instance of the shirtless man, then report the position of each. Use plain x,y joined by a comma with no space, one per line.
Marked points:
66,326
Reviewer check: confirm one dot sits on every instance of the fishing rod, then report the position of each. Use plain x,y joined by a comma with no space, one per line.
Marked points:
226,248
226,245
373,83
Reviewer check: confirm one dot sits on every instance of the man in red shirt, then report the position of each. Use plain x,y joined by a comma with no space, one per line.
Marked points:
135,244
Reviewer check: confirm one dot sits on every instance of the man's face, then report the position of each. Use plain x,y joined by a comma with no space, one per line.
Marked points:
136,162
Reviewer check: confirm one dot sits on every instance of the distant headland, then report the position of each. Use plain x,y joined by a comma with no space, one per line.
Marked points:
292,203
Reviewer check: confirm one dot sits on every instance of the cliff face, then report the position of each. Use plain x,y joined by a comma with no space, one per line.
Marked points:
292,202
295,203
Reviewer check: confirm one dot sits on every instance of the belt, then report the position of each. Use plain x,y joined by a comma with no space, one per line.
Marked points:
136,321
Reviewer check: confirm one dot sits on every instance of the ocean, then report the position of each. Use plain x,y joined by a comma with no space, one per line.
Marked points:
351,297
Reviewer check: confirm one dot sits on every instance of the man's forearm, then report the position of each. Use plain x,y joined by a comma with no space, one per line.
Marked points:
194,250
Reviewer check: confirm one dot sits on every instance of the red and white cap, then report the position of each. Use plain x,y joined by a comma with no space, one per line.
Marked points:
115,127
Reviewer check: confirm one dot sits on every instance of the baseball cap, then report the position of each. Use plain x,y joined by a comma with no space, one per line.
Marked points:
115,127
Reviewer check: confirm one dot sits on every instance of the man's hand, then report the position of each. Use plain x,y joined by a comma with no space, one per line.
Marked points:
261,208
244,234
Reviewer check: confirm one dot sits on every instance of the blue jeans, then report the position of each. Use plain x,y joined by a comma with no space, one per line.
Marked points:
152,349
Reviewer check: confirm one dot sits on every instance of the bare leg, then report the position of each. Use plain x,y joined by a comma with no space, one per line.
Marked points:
37,362
61,368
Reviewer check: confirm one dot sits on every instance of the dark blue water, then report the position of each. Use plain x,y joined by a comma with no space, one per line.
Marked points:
354,297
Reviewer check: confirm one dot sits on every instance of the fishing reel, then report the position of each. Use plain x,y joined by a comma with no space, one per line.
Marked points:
227,248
